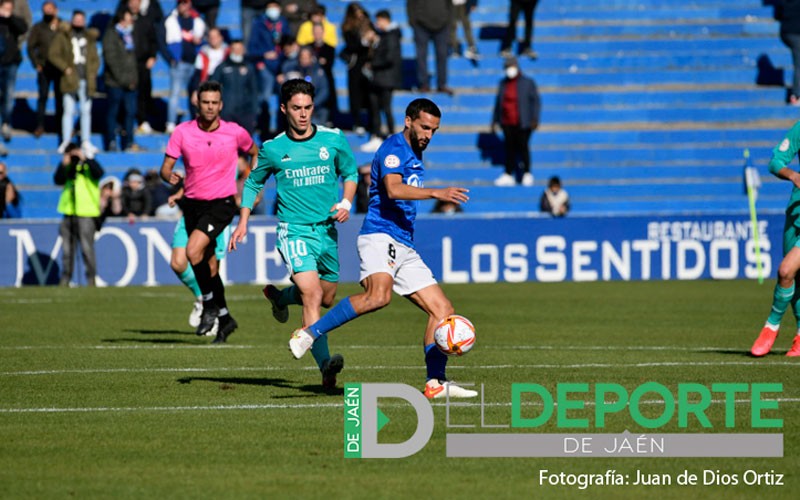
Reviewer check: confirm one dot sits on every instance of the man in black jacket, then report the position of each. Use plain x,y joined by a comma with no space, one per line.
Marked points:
239,86
387,75
120,78
39,40
11,28
431,20
147,27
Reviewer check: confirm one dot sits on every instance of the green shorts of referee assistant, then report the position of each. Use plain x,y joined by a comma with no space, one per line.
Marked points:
310,247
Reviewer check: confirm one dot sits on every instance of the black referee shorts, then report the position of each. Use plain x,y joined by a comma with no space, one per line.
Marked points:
208,216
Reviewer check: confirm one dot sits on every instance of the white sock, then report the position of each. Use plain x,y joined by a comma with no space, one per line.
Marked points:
772,327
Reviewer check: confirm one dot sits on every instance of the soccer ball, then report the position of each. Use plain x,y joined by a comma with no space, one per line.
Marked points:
455,335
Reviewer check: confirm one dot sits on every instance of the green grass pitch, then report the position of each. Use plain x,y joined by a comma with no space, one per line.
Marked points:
107,393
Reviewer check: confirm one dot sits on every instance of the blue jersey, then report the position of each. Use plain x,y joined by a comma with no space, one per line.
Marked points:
384,215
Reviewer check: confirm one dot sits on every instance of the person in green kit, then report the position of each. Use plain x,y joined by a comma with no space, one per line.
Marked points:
306,161
786,291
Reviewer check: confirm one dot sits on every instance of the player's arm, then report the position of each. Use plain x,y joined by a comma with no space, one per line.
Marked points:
166,171
173,198
252,186
342,209
397,190
784,153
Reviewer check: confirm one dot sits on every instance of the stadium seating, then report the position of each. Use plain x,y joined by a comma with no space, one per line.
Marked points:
647,107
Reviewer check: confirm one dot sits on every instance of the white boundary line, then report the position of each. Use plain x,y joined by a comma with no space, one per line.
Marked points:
453,404
760,364
743,349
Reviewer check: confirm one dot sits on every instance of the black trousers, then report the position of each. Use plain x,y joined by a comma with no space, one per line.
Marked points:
145,108
517,150
526,7
381,102
50,74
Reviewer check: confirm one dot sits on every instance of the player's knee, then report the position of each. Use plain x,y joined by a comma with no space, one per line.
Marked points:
443,310
311,297
377,299
786,272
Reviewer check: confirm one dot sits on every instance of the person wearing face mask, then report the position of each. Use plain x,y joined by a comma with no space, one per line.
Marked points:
239,84
249,10
264,52
74,53
121,80
517,109
39,41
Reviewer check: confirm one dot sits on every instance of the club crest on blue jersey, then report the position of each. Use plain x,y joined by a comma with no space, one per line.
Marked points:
391,161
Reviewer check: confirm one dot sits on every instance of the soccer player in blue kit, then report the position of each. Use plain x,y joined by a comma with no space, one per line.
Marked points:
386,246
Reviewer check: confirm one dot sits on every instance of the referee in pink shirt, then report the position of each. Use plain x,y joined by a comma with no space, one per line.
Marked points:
210,150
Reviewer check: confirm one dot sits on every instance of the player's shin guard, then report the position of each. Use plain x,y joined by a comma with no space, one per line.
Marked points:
320,351
436,362
188,279
340,314
780,302
219,292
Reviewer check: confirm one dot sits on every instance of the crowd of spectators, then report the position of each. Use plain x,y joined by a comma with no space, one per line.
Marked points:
281,39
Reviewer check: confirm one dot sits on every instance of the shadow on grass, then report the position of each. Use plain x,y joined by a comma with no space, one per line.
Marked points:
228,382
156,341
735,352
159,332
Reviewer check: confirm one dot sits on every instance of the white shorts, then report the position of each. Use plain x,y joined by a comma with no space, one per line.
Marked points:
380,253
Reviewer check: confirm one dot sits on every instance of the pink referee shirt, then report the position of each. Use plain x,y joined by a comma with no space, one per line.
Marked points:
210,158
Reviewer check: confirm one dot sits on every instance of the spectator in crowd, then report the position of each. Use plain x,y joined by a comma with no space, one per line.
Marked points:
208,59
306,68
430,20
39,41
110,198
12,27
526,47
250,10
555,199
325,55
446,207
184,31
22,8
461,12
290,51
80,204
159,192
136,200
297,12
121,79
239,85
387,75
788,12
265,53
9,196
305,33
362,188
209,9
516,109
74,53
358,33
148,24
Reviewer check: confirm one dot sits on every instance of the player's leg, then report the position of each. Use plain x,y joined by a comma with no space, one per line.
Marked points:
198,253
784,290
180,266
415,281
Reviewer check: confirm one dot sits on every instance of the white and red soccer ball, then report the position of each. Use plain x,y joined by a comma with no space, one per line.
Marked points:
455,335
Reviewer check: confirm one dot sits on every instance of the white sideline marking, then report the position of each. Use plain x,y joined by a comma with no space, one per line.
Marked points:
454,402
385,347
760,364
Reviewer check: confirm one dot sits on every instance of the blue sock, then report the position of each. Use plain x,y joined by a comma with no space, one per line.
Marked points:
436,361
340,314
319,349
188,279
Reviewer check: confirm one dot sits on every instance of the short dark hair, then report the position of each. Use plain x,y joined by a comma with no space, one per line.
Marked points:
71,147
210,86
554,181
417,106
383,13
77,12
296,86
